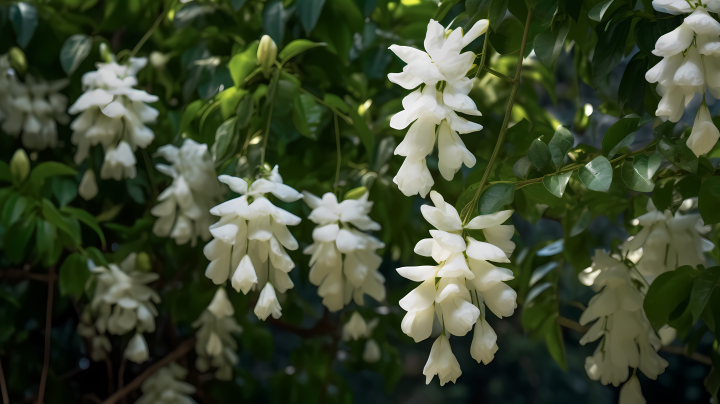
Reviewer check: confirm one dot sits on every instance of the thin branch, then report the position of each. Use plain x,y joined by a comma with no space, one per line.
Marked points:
336,185
20,275
48,332
498,74
266,135
109,365
150,31
121,373
323,327
322,102
573,325
3,387
181,350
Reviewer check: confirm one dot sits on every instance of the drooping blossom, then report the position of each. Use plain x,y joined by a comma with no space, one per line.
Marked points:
184,209
356,328
215,344
166,387
344,264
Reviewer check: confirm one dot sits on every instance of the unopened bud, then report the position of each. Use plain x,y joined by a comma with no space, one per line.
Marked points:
88,188
266,54
105,54
18,60
20,165
142,262
159,60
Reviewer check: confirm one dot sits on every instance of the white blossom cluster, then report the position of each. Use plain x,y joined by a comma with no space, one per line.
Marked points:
667,241
357,328
341,279
468,282
113,114
215,344
123,301
250,240
628,339
184,209
99,344
690,65
33,108
438,75
166,387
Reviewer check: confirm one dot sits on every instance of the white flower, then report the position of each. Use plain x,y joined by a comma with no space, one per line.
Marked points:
704,133
33,108
183,213
689,76
355,328
165,387
215,344
674,42
630,393
702,23
371,353
137,349
344,263
88,188
414,178
442,362
113,113
672,6
267,303
484,344
99,344
250,238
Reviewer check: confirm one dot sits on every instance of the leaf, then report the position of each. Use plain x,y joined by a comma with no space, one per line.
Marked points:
14,247
297,47
237,4
709,200
52,215
597,12
5,173
549,43
560,144
366,136
74,51
498,9
508,36
536,291
64,190
633,180
86,218
189,115
620,134
609,50
702,289
631,93
443,8
336,102
244,112
73,275
307,115
242,64
45,170
646,166
554,341
96,256
355,193
597,175
274,18
521,167
224,136
309,11
665,294
556,183
24,19
541,271
496,196
539,155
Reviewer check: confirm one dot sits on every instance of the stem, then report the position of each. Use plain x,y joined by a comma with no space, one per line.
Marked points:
149,167
121,372
266,136
3,387
484,54
48,321
109,365
322,102
508,111
150,31
498,74
336,185
19,275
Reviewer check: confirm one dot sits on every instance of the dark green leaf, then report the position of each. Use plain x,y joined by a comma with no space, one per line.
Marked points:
15,247
709,200
24,19
554,341
597,12
609,50
97,256
86,218
694,340
508,36
556,183
549,43
241,65
633,180
665,294
536,291
309,11
5,173
646,166
51,214
64,190
366,136
237,4
274,18
73,275
224,136
498,9
189,115
297,47
539,155
702,289
620,134
443,8
662,194
521,167
74,51
597,175
541,271
560,144
307,114
336,102
631,93
496,196
45,170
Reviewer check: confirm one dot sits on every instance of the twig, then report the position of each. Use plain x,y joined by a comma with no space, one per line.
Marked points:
323,327
121,373
573,325
336,185
181,350
48,324
498,74
150,31
266,135
109,365
322,102
19,275
3,387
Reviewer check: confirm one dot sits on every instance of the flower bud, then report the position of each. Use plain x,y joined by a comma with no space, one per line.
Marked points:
88,188
266,54
159,60
20,165
18,60
142,262
105,54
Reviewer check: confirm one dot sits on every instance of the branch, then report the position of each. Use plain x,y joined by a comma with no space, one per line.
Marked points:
3,387
323,327
181,350
48,321
21,275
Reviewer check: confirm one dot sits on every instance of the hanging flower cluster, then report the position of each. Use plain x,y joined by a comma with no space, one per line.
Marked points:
667,242
443,92
215,344
123,302
166,387
468,282
342,279
690,65
99,344
183,213
33,108
250,240
113,114
628,339
357,328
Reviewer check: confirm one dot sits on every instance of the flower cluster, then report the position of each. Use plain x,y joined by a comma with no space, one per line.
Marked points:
442,91
628,339
250,240
342,279
32,108
166,387
183,213
215,344
690,65
123,302
468,282
357,328
113,114
667,242
99,344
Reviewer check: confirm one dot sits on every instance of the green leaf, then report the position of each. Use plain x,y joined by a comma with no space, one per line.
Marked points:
556,183
536,291
597,175
189,115
496,196
443,8
224,136
244,112
554,341
309,11
14,247
597,12
73,275
539,155
52,215
702,289
366,136
86,218
336,102
307,115
97,256
297,47
633,180
620,134
45,237
5,173
508,36
560,144
712,382
609,50
64,190
521,167
355,193
237,4
45,170
274,18
694,340
646,166
709,200
242,64
549,43
541,271
24,19
498,9
665,294
631,93
74,51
